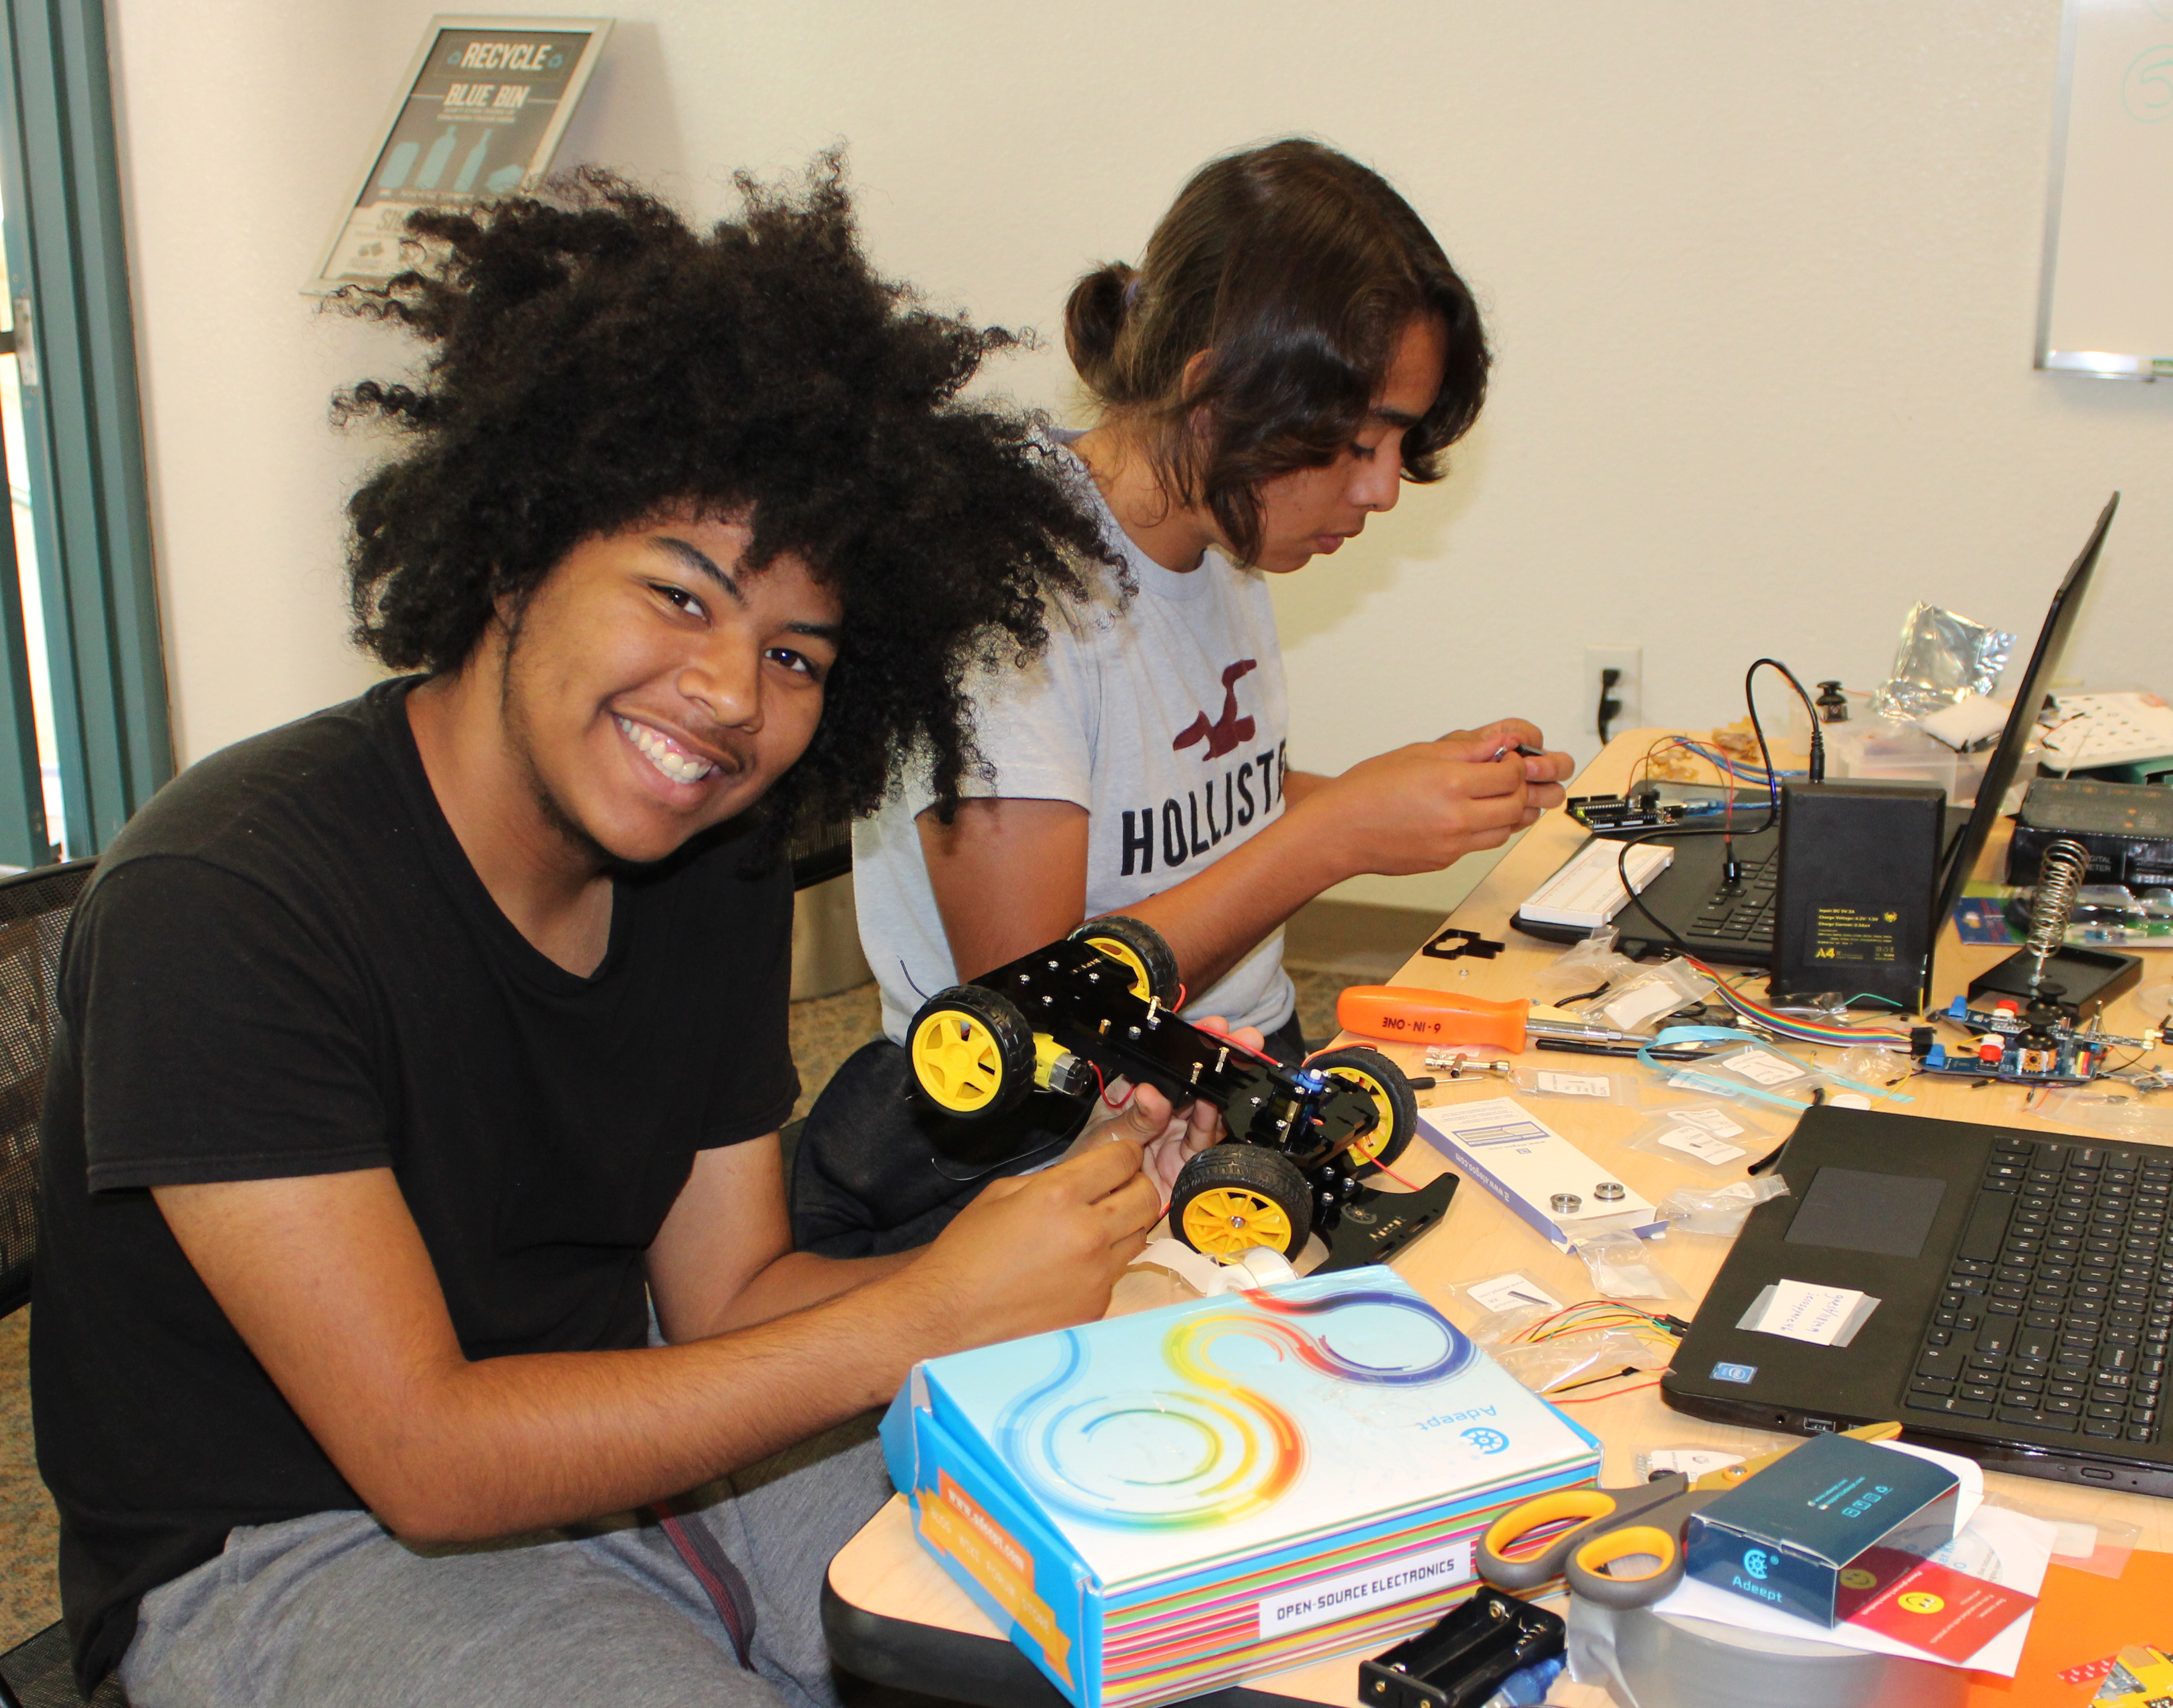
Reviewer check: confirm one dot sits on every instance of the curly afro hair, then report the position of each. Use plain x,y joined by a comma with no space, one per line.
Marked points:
595,362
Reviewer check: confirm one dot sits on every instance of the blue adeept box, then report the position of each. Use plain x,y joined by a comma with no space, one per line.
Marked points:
1795,1536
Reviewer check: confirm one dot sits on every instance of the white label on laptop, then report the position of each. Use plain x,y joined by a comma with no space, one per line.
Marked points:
1573,1085
1633,1008
1512,1292
1802,1311
1762,1066
1716,1122
1702,1145
1375,1585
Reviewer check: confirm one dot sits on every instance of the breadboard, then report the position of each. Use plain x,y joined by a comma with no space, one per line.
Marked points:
1587,891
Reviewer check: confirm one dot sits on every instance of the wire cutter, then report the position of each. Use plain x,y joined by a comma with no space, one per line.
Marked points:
1609,1529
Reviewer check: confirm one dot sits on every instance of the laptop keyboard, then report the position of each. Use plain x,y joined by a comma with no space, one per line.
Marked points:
2058,1305
1742,912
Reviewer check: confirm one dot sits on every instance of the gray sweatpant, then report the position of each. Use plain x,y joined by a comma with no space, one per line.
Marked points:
329,1609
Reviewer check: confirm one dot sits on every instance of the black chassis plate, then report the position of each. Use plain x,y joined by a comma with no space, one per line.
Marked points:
1083,1001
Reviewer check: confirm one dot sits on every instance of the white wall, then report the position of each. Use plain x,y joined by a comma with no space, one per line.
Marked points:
1762,279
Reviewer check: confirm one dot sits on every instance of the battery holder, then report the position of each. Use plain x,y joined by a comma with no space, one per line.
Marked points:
1463,1659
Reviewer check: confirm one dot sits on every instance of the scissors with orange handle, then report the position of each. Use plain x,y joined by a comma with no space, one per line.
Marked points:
1620,1548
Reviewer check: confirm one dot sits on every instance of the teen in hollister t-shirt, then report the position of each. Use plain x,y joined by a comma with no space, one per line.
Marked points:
1292,348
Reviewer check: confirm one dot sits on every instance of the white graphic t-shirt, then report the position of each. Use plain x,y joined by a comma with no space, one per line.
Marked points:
1166,718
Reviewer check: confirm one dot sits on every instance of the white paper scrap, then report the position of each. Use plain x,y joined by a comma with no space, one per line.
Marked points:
1702,1145
1716,1122
1573,1085
1763,1067
1510,1292
1802,1311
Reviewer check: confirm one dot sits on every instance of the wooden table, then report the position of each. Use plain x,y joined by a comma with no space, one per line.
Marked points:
884,1570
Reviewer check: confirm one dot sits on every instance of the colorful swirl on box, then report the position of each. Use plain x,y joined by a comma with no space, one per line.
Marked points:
1158,1458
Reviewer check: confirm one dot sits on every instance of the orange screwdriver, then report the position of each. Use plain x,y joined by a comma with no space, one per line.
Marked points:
1409,1013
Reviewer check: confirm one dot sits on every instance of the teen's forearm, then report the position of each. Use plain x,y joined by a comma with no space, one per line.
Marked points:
507,1445
1298,784
798,1279
1213,920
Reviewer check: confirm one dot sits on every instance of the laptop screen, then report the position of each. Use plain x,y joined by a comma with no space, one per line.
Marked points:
2029,696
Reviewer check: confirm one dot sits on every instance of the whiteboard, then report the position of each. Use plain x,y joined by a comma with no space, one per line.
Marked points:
2107,305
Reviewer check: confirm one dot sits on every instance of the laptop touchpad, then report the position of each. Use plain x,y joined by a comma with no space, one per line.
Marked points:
1852,1209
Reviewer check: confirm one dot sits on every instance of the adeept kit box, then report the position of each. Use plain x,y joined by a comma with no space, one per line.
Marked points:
1156,1504
1816,1533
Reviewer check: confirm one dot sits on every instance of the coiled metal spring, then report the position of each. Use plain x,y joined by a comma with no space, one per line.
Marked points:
2060,873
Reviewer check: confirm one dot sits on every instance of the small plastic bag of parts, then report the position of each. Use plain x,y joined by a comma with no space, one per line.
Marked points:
1643,998
1714,1138
1548,1367
1718,1209
1583,967
1622,1268
1478,1654
1503,1303
1575,1084
1875,1065
2109,1107
1941,656
2092,1542
1762,1074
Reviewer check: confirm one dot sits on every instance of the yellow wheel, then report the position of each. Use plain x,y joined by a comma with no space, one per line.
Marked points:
1396,1109
1230,1220
971,1052
1139,949
1234,1197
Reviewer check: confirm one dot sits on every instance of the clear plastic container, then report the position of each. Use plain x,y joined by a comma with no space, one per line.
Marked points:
1875,747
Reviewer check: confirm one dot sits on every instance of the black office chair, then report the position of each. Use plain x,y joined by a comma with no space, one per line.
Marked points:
34,915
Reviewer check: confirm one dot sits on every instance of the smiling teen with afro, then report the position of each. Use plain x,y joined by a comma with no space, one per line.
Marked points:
407,1056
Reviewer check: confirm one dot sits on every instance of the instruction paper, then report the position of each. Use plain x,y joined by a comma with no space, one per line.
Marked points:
1555,1187
1820,1315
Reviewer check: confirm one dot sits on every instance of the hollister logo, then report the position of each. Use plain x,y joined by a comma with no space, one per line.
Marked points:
1227,732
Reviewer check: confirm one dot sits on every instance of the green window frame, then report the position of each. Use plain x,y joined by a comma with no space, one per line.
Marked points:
67,264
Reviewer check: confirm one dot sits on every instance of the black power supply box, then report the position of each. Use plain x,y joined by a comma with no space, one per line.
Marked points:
1855,888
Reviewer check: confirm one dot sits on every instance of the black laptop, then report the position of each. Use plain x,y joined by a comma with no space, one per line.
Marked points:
2024,1285
1732,925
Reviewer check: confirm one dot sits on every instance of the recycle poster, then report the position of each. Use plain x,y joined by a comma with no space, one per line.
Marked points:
483,107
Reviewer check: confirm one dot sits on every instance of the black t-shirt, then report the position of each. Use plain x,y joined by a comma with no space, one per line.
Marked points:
286,967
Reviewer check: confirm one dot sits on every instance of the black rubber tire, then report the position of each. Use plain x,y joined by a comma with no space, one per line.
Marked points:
1402,1105
1248,1168
1013,1042
1145,943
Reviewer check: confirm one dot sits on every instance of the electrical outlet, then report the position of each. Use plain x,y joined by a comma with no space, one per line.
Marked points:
1629,689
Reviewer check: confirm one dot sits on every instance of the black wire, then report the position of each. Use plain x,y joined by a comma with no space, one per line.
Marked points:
1773,795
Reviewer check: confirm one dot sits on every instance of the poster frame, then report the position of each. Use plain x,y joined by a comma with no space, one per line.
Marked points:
598,31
